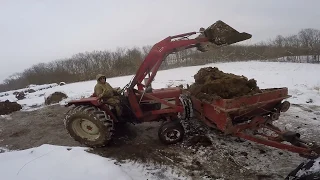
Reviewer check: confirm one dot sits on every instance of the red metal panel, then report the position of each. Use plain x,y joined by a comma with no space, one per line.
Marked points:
221,111
251,112
89,100
219,118
160,100
150,96
275,144
158,53
162,93
166,111
135,96
268,96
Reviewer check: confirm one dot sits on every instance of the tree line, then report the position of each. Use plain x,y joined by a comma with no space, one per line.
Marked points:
301,47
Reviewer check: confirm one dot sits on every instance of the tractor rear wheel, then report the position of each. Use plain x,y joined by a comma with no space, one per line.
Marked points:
171,132
89,125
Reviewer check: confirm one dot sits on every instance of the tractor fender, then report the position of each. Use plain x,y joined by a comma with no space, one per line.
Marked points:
93,101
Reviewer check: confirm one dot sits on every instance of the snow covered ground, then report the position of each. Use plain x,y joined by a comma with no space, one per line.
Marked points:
315,167
56,162
68,163
302,80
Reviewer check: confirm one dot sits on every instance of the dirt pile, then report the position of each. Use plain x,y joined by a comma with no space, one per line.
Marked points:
211,83
30,91
21,95
56,97
200,140
8,107
3,95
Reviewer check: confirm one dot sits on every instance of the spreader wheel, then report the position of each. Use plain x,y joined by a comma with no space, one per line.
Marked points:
285,106
89,125
171,132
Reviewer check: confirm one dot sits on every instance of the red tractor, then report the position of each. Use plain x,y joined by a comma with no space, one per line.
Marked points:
93,123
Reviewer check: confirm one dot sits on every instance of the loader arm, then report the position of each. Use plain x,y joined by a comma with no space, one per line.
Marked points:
217,35
157,55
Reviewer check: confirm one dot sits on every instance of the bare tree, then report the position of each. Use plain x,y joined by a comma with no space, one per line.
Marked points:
125,61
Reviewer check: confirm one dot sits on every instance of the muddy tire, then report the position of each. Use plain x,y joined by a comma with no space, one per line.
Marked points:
89,125
171,132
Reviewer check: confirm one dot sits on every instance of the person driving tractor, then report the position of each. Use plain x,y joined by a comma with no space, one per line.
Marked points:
107,94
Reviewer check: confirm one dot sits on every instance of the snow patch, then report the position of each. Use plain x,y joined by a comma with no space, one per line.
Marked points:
315,168
8,117
300,78
65,163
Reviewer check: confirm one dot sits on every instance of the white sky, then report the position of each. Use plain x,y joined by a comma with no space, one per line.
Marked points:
33,31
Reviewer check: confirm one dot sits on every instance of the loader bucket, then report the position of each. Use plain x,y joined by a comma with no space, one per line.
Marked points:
221,33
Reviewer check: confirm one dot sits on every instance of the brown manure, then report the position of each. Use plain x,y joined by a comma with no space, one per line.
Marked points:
8,107
211,83
56,97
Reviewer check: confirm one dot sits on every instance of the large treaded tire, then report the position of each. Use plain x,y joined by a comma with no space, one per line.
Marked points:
94,116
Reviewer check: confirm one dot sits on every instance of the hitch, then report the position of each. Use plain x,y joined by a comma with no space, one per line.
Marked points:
294,139
291,137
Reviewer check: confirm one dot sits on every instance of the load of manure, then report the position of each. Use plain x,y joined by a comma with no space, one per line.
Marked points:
211,83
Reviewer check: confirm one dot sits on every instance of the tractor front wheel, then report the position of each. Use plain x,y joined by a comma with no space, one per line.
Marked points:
89,125
171,132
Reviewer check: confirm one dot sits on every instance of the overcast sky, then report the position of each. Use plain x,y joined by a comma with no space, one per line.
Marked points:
33,31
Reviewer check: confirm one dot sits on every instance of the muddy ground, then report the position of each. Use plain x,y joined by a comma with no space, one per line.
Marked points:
204,153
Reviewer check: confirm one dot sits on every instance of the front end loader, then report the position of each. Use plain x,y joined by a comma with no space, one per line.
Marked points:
93,123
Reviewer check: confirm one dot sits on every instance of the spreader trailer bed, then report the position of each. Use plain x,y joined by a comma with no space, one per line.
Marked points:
251,117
